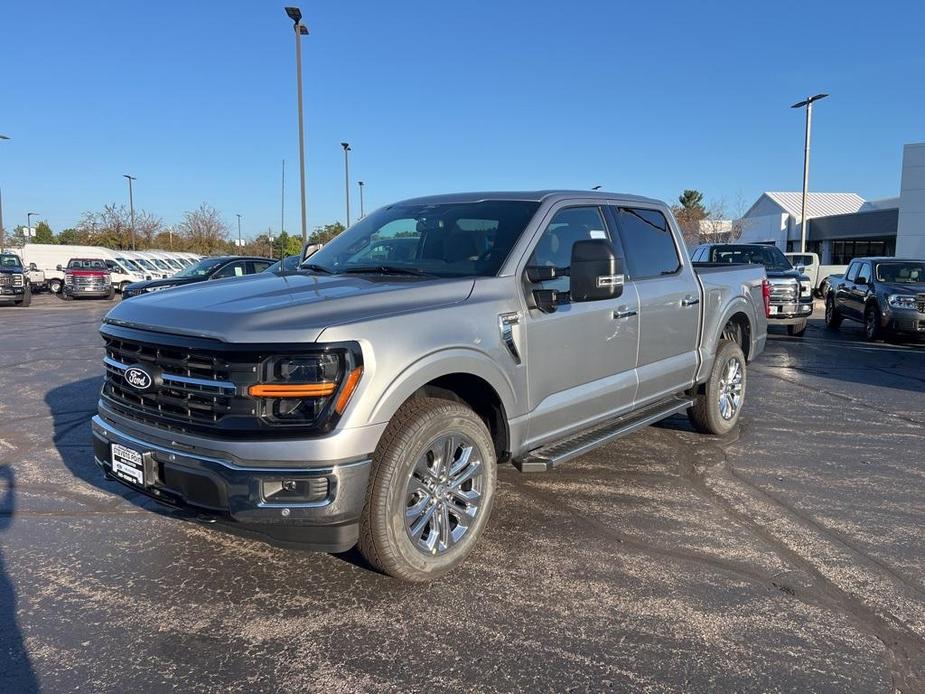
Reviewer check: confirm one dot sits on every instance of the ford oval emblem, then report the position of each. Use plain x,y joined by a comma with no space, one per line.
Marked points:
139,379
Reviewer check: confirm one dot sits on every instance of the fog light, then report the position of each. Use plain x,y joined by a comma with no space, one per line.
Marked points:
295,491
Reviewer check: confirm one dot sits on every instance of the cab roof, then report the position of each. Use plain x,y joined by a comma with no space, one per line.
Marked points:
553,195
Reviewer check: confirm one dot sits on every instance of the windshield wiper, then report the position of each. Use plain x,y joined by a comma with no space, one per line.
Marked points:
315,268
386,270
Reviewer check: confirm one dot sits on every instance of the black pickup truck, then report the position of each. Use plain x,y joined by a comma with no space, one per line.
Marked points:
14,280
886,294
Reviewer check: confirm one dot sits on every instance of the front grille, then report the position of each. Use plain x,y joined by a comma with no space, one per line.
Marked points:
5,280
89,283
199,389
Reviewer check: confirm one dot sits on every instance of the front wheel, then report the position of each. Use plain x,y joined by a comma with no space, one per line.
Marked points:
719,403
797,330
54,286
430,492
26,297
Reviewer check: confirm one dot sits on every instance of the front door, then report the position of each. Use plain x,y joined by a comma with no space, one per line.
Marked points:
580,358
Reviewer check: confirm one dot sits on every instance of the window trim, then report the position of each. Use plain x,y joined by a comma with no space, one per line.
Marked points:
616,205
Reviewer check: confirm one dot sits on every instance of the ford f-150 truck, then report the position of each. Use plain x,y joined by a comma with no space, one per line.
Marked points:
886,294
791,290
367,398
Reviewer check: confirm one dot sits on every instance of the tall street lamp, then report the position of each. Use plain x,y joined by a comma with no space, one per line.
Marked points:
131,206
346,146
29,216
2,231
808,103
295,14
240,244
362,210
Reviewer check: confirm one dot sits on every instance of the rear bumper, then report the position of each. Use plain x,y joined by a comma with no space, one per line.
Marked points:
325,519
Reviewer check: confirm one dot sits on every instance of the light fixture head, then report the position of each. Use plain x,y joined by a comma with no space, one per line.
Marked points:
295,14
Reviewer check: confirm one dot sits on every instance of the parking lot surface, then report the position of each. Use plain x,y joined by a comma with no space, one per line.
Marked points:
786,557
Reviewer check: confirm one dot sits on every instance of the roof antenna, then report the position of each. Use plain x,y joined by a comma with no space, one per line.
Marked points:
596,188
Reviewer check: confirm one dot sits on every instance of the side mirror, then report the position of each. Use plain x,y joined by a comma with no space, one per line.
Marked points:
33,267
861,280
310,249
543,273
800,268
60,269
596,271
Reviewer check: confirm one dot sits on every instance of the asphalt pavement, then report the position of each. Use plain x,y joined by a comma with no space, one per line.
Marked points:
788,556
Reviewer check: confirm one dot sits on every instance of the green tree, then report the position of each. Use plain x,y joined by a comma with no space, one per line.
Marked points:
690,213
70,236
693,200
43,233
324,234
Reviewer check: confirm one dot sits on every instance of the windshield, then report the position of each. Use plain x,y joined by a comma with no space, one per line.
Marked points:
130,264
160,264
901,273
440,239
86,264
10,261
173,263
145,264
769,256
201,269
800,259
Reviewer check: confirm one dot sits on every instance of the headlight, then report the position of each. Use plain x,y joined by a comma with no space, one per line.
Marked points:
158,288
68,279
308,388
805,288
901,301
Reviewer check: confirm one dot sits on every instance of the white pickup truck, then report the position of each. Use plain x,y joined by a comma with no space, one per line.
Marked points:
809,262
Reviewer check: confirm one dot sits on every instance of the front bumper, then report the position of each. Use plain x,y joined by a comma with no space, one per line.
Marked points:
92,293
908,321
790,313
219,485
8,292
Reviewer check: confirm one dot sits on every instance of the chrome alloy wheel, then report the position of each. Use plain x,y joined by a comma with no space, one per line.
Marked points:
730,389
444,494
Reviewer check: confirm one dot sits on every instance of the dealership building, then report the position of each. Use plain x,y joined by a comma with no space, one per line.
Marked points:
841,226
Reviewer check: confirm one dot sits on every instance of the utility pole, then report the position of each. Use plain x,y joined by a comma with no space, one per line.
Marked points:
295,14
808,103
362,210
131,206
240,243
282,201
2,230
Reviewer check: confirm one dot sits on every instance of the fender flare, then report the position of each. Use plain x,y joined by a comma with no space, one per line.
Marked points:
445,362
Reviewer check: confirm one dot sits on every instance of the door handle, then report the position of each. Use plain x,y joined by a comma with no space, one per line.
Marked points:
624,312
690,301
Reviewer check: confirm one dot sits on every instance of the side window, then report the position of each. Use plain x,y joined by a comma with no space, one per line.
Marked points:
235,269
698,255
647,242
111,266
864,272
554,249
256,266
852,272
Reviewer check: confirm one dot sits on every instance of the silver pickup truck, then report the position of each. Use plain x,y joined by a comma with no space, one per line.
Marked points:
366,398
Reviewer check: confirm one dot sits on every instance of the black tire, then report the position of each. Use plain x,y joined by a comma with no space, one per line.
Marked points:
872,329
26,298
706,415
797,330
122,286
64,295
54,286
384,540
111,295
833,318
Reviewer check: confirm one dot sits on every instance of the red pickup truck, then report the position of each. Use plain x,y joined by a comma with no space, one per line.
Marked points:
86,277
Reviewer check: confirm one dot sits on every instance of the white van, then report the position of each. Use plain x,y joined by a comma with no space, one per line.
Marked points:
149,266
121,271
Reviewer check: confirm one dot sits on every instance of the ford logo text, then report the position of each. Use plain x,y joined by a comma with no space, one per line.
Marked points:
139,379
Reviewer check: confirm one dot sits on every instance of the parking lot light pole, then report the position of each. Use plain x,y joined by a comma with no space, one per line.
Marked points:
240,243
362,210
2,231
808,103
131,206
346,146
295,14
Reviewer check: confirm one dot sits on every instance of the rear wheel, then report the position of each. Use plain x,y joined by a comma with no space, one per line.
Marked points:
430,492
122,286
872,329
54,286
26,297
111,295
719,404
832,317
797,330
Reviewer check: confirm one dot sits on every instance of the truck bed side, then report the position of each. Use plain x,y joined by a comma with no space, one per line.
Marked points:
730,292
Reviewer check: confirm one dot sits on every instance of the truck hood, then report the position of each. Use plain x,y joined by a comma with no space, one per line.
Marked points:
902,287
283,308
784,274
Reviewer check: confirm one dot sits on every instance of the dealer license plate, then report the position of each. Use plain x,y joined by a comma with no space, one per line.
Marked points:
127,465
775,310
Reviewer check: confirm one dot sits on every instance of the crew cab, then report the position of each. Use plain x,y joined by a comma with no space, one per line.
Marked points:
15,285
791,292
206,269
86,278
367,398
885,294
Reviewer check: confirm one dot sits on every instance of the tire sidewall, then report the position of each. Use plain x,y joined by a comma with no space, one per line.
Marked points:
399,461
718,423
875,333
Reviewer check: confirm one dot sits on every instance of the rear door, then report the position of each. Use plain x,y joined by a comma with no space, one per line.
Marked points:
669,297
844,293
860,288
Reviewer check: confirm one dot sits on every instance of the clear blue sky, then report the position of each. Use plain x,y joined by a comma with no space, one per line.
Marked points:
197,100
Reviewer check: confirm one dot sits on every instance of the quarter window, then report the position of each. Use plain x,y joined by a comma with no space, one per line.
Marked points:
235,269
647,242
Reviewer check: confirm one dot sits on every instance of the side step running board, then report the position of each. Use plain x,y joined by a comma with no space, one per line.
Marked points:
545,458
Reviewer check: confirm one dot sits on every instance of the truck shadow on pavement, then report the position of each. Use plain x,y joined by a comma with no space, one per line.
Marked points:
72,405
16,673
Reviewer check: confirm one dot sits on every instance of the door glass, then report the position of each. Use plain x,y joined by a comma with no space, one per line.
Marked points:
647,242
852,272
554,249
864,272
230,270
